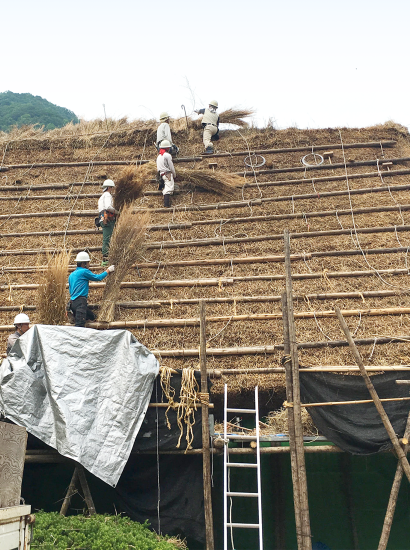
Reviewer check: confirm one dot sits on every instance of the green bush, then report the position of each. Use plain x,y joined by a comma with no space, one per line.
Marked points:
98,532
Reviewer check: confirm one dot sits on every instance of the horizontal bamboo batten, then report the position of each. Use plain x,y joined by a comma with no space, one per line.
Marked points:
6,168
152,304
222,281
303,168
195,223
235,260
308,148
194,321
232,240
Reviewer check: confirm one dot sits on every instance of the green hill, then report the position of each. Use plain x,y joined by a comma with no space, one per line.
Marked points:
21,109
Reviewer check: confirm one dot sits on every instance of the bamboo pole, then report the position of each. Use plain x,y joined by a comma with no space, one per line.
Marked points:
195,223
374,395
228,261
291,424
93,163
304,503
309,148
155,304
315,181
206,471
256,317
356,402
320,167
391,507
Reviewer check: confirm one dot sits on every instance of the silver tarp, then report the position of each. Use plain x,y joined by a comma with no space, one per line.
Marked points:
82,391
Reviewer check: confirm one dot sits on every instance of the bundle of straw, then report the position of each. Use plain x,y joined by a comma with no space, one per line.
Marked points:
223,184
278,421
235,116
51,296
130,184
126,248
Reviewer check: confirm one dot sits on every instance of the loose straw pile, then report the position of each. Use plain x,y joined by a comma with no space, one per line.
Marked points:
278,421
126,248
187,405
129,185
51,296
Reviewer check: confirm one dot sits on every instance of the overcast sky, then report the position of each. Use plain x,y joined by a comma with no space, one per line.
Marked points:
300,63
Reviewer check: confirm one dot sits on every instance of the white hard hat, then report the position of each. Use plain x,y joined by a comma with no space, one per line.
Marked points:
83,257
214,103
164,115
165,144
21,319
108,183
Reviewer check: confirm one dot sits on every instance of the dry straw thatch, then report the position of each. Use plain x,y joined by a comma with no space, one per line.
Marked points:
51,296
126,248
129,185
221,183
278,421
236,116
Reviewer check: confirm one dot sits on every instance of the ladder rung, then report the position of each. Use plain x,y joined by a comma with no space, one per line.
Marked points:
235,494
241,411
239,436
244,525
240,465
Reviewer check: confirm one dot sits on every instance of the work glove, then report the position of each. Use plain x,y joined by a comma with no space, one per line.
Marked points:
110,269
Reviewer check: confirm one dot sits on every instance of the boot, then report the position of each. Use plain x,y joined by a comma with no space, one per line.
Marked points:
167,201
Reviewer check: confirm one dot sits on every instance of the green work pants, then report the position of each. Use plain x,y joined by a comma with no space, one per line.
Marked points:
107,232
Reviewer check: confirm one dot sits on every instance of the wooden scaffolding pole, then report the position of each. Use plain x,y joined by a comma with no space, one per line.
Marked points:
304,503
206,455
369,384
388,520
78,477
291,423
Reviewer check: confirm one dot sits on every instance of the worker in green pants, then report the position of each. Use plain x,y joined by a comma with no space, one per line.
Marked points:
107,216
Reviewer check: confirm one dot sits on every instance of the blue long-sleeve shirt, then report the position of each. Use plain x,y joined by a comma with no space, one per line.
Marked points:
79,279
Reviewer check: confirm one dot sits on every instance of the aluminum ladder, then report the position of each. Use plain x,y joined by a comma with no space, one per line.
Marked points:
254,465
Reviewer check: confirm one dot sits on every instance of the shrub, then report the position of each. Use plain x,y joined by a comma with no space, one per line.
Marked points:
98,532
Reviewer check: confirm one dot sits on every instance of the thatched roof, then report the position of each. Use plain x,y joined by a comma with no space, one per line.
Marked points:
168,283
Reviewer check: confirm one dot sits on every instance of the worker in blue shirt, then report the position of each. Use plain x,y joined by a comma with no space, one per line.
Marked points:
78,283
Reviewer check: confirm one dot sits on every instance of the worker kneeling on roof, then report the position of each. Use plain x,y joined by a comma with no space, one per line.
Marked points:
78,283
22,324
107,218
164,132
166,169
210,124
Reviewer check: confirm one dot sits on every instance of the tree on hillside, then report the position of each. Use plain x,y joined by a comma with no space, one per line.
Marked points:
21,109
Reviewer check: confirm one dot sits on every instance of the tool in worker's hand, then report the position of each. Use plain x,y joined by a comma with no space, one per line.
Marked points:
186,118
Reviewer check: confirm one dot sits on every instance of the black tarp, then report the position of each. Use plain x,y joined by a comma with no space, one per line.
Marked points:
180,493
357,429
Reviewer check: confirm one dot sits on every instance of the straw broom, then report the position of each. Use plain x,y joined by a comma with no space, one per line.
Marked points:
126,248
220,183
51,296
130,184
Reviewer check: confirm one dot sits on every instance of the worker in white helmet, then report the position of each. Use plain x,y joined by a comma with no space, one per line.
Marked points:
210,124
166,170
107,217
22,324
78,283
164,132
